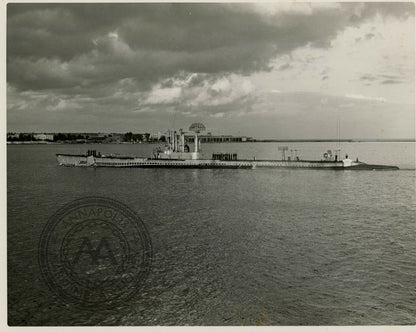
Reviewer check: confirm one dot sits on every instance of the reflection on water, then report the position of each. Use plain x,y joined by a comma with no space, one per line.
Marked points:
233,247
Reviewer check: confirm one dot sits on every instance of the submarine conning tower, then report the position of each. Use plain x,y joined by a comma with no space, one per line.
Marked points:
177,147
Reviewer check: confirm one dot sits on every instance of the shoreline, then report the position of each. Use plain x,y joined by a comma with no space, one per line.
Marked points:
253,141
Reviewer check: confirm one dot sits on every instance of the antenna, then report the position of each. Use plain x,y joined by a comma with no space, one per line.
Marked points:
338,129
338,150
283,149
197,127
174,117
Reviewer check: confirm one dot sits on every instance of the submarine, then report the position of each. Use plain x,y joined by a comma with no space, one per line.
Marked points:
177,154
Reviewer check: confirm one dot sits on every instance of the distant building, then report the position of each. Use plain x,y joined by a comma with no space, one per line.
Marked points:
218,138
12,136
43,137
96,138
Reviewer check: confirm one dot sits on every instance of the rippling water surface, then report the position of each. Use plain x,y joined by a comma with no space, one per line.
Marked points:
233,247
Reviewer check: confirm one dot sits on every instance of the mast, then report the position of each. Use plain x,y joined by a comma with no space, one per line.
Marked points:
197,128
339,136
339,129
196,142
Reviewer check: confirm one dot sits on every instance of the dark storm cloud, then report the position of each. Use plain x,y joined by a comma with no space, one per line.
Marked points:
383,79
368,77
368,36
57,46
77,65
284,66
391,82
390,76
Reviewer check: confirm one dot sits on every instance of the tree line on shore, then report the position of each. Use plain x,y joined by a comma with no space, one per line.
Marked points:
83,138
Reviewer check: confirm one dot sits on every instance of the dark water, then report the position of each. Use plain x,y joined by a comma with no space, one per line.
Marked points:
233,247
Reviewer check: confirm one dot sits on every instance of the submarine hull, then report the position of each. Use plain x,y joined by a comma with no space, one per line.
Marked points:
111,161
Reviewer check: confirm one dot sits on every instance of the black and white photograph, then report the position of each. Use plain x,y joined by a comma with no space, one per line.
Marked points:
214,164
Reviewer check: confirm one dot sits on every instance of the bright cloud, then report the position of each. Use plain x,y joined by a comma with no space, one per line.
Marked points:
131,66
200,90
160,95
355,96
375,58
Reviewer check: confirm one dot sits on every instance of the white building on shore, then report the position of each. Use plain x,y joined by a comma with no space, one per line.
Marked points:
43,137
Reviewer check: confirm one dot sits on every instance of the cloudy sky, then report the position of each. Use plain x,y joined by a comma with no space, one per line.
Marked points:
287,70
